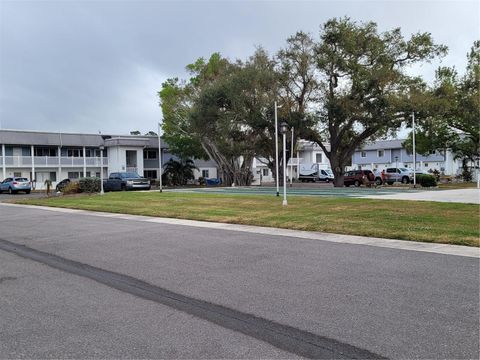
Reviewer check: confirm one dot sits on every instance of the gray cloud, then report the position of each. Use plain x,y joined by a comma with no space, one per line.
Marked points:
97,65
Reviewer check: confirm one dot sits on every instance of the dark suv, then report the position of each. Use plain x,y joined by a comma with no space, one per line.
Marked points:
358,177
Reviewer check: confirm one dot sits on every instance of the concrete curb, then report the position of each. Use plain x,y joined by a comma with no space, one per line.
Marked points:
444,249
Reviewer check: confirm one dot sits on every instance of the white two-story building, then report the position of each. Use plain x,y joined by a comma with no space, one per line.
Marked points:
39,156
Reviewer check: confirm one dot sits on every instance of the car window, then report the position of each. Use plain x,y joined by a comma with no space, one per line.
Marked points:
7,180
391,170
131,175
21,179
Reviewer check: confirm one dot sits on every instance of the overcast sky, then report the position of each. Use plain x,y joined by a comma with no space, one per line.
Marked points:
89,66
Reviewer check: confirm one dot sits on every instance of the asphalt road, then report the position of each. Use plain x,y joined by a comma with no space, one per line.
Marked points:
82,286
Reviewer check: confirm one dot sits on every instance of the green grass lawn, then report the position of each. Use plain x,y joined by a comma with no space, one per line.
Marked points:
450,223
459,185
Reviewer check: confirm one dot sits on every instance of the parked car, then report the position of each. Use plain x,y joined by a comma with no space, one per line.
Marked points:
61,185
125,181
358,177
15,184
403,175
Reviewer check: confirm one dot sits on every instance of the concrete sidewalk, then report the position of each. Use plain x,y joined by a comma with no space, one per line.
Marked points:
467,196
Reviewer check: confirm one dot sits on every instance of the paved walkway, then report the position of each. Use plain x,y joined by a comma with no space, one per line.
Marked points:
468,196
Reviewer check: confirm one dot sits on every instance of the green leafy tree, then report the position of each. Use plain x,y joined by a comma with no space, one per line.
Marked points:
135,132
363,85
452,113
179,172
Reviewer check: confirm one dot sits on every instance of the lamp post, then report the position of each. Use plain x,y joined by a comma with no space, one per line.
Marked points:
396,162
160,158
101,170
276,146
291,157
283,130
414,151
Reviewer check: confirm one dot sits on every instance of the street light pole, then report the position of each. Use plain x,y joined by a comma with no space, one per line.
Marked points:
414,151
291,158
276,149
284,133
160,169
101,170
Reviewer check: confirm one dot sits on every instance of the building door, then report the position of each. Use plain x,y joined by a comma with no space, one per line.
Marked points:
131,160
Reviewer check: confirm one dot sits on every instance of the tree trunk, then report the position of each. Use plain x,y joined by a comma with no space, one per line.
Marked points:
337,167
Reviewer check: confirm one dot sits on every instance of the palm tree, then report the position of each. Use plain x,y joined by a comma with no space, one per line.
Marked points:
179,172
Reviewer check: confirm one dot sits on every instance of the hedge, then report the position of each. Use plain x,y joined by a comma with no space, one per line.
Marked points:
426,180
89,185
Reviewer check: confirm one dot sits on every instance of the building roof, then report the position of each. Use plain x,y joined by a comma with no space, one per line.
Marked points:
383,144
43,138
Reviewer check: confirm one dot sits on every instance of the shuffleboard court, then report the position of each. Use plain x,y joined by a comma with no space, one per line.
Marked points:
467,196
321,191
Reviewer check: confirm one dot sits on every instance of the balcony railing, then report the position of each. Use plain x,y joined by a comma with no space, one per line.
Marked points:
53,161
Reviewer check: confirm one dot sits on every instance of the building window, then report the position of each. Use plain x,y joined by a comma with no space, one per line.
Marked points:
17,174
380,153
92,152
74,152
264,172
318,157
432,152
45,151
97,174
88,173
150,174
150,154
74,175
363,154
53,176
425,164
205,173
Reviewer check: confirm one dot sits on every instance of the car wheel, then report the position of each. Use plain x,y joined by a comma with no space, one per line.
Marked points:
390,182
405,180
123,188
378,181
10,191
356,183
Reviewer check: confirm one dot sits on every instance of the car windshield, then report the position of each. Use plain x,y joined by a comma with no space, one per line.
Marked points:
329,172
403,169
20,179
130,175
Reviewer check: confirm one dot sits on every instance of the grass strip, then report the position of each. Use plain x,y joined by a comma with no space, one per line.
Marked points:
448,223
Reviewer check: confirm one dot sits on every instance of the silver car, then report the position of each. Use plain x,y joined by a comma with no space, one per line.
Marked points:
15,184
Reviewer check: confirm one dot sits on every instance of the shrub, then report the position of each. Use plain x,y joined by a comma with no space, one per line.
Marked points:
89,185
426,180
71,188
466,174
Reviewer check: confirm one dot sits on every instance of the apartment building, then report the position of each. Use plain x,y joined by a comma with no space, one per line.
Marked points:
39,156
390,153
